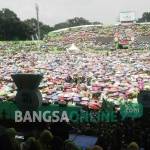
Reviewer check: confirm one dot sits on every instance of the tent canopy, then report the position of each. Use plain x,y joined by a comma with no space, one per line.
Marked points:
73,48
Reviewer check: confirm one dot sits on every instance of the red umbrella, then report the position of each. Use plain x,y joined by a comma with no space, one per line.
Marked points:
95,105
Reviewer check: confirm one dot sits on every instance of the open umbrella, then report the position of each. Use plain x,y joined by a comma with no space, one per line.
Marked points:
94,105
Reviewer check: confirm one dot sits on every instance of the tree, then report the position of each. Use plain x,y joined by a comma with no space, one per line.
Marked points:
45,29
32,28
96,22
12,28
77,22
31,25
61,25
145,17
71,23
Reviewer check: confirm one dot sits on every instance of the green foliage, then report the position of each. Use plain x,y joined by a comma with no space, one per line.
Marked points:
145,17
31,25
61,25
77,21
12,28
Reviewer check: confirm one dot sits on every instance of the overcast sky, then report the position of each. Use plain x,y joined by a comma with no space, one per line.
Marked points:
55,11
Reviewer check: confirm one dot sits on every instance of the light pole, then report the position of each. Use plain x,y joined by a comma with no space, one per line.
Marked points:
38,25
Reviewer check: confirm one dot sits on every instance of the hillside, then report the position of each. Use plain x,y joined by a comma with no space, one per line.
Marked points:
87,37
99,37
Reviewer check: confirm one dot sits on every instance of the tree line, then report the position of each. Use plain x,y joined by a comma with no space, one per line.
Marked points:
145,17
13,28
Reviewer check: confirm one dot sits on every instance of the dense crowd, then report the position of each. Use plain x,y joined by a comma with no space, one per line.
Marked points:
81,77
128,135
84,78
94,37
101,37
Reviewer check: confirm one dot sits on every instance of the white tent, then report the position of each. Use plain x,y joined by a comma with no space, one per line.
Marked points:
73,49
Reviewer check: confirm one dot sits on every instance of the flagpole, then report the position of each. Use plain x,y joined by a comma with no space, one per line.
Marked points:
38,24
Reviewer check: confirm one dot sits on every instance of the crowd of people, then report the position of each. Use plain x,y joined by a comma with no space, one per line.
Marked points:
81,77
101,37
120,136
94,37
84,78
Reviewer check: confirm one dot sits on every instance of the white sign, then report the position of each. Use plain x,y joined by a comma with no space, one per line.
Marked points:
127,16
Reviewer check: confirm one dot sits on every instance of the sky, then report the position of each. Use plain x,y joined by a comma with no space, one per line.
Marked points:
56,11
